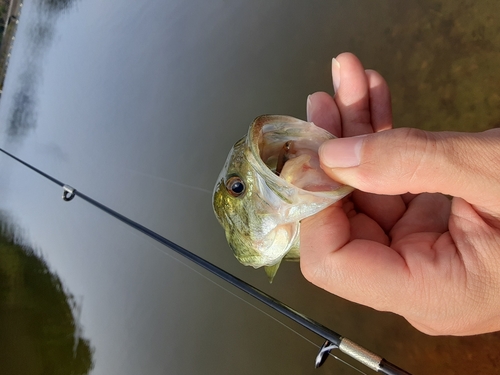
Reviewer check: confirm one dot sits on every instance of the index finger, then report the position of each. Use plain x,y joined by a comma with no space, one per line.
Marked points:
323,112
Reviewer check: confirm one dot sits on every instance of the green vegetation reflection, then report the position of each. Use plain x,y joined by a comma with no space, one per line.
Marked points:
38,330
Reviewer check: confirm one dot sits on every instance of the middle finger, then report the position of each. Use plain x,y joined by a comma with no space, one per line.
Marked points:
352,95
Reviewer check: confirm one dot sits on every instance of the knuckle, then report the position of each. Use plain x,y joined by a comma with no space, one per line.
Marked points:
404,155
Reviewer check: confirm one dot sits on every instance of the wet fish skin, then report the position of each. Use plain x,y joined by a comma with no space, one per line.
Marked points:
261,211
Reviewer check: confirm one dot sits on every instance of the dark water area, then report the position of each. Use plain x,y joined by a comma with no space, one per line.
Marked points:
136,104
39,332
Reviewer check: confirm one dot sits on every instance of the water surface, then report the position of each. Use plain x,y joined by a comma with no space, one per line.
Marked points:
136,104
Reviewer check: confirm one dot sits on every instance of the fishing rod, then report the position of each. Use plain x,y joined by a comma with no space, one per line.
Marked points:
332,339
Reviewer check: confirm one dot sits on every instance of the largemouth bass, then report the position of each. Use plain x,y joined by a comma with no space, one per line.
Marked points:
270,182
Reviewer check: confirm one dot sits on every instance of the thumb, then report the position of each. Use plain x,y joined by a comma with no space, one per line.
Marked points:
398,161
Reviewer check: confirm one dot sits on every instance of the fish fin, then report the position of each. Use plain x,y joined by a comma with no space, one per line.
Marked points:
271,271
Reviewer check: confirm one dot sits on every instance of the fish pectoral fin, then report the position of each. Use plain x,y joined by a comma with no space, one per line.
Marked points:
271,271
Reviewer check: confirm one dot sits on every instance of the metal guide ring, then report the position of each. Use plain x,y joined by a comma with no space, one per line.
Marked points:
68,193
324,352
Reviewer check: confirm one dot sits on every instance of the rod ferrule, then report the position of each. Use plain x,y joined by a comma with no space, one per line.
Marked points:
360,354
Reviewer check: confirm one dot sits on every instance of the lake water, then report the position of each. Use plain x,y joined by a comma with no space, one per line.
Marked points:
136,104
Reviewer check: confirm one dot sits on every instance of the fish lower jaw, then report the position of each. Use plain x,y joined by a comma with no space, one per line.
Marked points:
258,263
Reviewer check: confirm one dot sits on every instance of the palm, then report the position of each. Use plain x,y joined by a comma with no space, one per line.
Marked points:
392,219
410,244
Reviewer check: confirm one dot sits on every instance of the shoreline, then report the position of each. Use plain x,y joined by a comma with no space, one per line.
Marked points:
7,40
7,17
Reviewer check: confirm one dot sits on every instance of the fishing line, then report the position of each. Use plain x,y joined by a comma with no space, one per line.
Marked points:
254,306
333,339
177,183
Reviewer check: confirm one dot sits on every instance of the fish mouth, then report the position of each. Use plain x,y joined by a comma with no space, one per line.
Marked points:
285,150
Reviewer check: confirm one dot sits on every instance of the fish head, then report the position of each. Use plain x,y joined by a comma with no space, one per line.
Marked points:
271,180
247,208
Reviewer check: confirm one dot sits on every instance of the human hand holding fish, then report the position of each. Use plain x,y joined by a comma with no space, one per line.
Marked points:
397,243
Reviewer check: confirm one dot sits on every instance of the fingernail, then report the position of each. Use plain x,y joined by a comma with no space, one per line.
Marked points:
308,108
341,152
335,74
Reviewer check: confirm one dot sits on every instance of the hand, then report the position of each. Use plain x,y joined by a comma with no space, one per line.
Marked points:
397,243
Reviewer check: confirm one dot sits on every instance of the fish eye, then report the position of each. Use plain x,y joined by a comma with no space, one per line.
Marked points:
235,186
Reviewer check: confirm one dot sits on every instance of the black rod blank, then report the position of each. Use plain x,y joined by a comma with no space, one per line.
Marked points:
345,345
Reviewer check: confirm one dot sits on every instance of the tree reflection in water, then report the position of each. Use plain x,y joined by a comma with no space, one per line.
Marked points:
39,328
22,118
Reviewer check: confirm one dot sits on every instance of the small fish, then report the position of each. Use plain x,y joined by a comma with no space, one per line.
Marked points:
271,181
